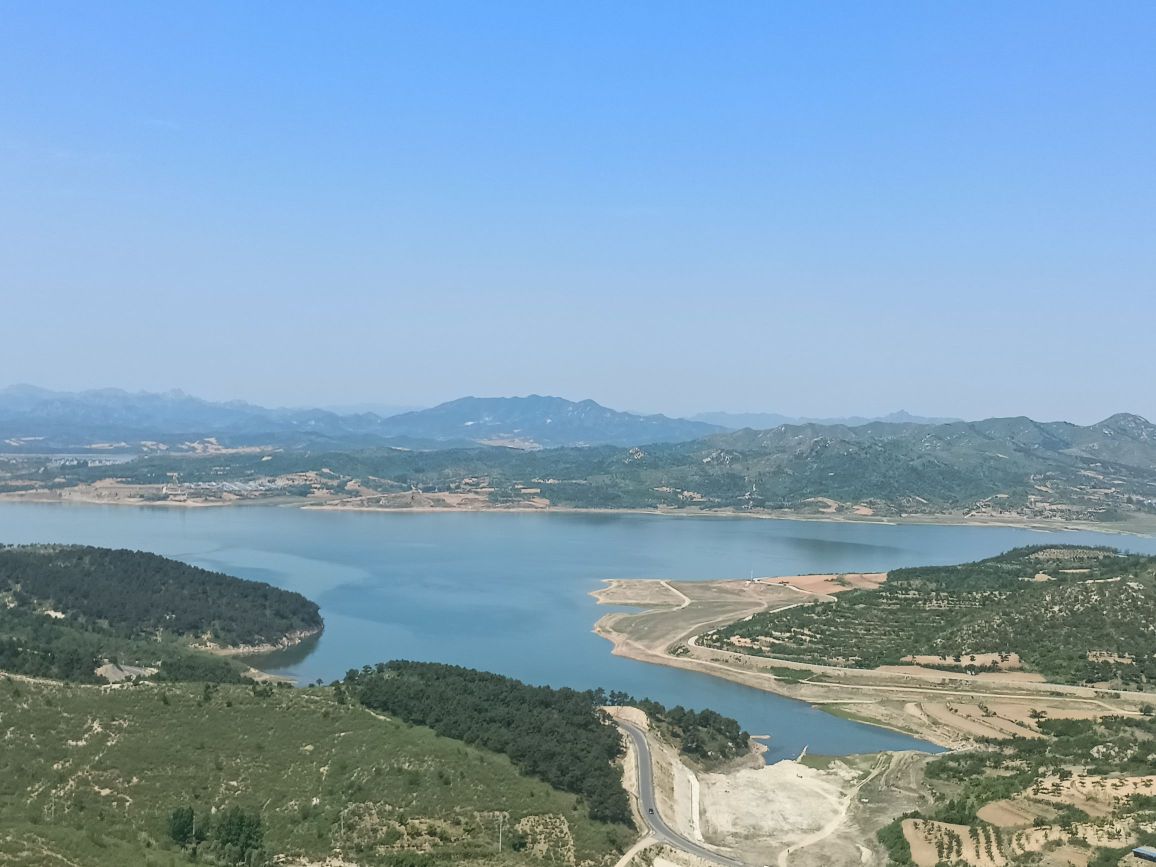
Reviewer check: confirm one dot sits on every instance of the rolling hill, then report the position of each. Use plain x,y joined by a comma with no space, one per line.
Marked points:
542,421
996,468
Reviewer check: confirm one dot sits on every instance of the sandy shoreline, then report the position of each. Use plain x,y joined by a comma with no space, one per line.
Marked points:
1128,528
951,710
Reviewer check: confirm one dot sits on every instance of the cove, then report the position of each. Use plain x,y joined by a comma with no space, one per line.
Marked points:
508,592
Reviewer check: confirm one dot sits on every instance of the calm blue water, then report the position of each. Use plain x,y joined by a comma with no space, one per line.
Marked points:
509,592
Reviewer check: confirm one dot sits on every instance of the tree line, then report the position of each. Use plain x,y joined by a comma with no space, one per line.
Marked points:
556,735
561,736
232,836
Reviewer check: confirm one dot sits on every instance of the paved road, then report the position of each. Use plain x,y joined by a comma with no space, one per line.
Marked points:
662,831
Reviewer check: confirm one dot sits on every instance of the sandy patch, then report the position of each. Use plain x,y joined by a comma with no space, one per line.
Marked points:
1013,813
786,801
1108,834
114,673
640,592
936,842
629,714
976,721
1096,796
935,673
825,585
1008,661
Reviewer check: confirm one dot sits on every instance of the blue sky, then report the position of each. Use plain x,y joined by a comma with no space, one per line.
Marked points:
819,209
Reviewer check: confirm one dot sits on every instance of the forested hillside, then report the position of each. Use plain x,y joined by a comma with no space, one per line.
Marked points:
557,735
178,774
138,594
66,609
1074,614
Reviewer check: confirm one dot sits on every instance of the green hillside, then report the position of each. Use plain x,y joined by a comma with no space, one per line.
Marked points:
92,776
1074,614
139,594
66,609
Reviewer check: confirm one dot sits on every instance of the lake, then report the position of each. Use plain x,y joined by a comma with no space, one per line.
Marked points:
509,592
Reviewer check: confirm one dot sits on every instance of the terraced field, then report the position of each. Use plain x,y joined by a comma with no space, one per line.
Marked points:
1074,615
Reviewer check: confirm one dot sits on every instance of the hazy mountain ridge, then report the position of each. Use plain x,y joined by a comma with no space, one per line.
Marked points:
34,418
545,421
162,413
765,420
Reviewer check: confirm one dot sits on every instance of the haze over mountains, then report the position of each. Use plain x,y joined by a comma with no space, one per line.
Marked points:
543,421
867,454
766,420
34,418
582,454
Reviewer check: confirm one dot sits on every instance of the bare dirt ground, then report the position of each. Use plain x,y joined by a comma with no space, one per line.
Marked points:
1096,796
952,709
114,492
997,676
938,842
788,813
676,610
114,673
1015,813
793,814
829,584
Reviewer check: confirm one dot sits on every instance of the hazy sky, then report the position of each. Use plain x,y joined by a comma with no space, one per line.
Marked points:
814,208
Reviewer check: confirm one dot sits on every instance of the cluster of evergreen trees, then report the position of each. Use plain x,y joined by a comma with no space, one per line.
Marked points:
66,609
136,594
705,735
37,645
232,836
557,735
61,655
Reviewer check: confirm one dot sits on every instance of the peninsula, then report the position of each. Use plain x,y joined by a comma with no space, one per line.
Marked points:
1034,667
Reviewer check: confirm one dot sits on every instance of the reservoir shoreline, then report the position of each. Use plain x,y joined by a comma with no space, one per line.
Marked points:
1141,526
511,594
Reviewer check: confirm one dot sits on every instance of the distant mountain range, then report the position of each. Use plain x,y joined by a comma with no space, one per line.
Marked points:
1012,468
767,420
543,421
36,419
990,468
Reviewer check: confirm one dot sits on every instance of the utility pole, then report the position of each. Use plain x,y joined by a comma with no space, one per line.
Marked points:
499,833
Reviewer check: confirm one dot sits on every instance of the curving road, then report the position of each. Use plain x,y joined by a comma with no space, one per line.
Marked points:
658,828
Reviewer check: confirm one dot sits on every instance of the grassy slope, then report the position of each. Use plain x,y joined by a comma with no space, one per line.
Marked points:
64,745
